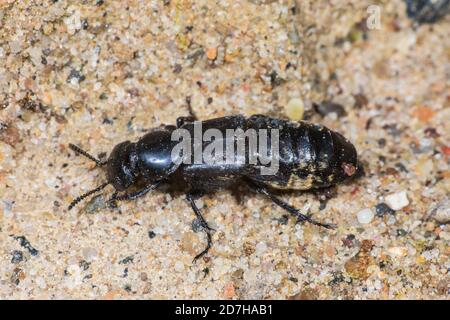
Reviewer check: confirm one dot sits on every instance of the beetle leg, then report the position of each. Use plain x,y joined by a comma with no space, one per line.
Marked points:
112,201
182,120
189,119
134,195
260,188
191,199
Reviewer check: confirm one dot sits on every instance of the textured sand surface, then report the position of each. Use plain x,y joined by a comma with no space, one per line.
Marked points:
95,73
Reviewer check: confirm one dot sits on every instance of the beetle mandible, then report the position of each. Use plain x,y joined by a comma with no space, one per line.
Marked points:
310,156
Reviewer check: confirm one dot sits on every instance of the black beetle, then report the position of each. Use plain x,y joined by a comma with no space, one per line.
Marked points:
309,156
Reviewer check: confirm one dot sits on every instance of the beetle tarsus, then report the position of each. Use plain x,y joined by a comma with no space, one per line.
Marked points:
282,204
206,228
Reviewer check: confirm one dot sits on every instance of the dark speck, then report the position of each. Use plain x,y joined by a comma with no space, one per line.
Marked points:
401,232
294,280
338,277
103,96
360,100
382,142
431,133
177,68
349,241
151,234
107,121
127,260
383,209
275,80
84,265
15,277
283,220
99,2
392,130
26,244
127,288
85,24
427,11
17,256
401,167
326,107
75,74
210,100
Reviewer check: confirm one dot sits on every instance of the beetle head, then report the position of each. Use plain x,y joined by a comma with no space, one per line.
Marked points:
121,165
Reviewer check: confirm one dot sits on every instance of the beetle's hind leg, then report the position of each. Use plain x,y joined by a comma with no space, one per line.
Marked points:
262,189
190,197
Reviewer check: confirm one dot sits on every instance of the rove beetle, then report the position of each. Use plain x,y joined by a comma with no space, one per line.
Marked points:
310,156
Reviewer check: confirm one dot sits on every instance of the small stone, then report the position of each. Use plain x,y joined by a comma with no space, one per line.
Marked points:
360,100
211,53
75,77
365,216
27,245
95,204
397,201
17,256
441,213
383,209
229,291
248,248
260,248
424,114
326,107
9,134
89,254
295,109
306,294
179,266
357,267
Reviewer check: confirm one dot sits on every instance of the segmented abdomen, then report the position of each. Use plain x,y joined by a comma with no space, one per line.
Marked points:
310,156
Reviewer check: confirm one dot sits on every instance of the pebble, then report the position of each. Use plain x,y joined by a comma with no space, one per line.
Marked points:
441,213
295,109
397,201
260,248
95,204
10,135
326,107
17,256
179,266
365,216
383,209
211,53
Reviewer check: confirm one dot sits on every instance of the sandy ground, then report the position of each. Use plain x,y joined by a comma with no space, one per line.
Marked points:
96,73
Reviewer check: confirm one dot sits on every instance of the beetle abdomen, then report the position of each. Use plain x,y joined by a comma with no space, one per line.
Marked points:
310,156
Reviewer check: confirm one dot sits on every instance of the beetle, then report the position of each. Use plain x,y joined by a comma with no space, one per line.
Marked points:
309,156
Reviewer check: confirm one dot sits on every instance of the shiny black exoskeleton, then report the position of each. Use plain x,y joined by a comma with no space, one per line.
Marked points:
309,156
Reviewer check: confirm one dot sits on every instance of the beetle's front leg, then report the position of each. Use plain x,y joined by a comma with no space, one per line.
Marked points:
132,195
262,189
189,119
183,120
191,196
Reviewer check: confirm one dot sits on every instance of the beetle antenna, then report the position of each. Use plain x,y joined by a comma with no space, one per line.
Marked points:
87,155
87,194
